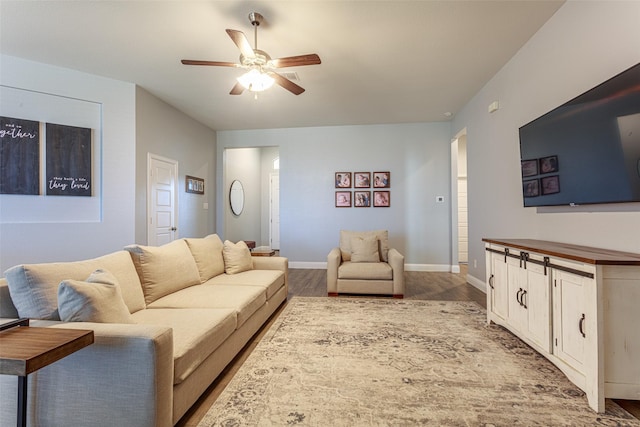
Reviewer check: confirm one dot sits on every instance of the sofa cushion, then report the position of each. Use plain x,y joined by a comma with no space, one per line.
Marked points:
381,235
237,257
98,299
364,249
271,280
164,269
207,253
245,300
365,271
197,333
34,287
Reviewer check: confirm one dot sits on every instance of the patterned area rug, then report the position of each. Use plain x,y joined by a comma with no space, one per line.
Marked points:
383,362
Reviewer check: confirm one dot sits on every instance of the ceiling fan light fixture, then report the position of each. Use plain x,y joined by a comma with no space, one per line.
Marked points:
256,81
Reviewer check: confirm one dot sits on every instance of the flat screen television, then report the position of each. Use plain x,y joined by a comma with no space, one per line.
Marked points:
586,151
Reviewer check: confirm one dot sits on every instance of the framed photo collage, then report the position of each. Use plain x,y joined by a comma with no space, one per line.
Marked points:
362,195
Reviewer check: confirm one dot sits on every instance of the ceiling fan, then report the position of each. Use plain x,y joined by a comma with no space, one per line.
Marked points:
260,75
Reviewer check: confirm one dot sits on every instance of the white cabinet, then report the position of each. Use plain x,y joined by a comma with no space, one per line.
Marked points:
519,294
578,306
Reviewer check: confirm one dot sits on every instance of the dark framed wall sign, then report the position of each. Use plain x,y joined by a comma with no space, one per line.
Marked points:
194,185
19,156
69,162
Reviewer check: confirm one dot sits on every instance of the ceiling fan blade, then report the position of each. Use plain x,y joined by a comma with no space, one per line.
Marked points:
287,84
237,89
296,61
213,63
241,41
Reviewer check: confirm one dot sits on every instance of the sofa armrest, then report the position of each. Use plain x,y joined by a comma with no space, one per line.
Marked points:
396,261
333,262
124,378
273,263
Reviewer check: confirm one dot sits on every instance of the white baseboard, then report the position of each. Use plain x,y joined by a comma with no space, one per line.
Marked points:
407,267
429,267
477,283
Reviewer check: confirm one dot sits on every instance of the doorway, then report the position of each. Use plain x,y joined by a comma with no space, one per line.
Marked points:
459,203
162,200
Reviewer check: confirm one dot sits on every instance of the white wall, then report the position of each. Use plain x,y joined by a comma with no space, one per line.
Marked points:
62,241
165,131
417,156
582,45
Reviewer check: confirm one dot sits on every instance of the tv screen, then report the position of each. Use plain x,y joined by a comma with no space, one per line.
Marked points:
588,150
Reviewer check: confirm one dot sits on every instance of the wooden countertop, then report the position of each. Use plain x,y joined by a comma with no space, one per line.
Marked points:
584,254
26,349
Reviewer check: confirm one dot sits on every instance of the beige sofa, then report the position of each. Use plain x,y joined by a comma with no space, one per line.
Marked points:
167,320
364,264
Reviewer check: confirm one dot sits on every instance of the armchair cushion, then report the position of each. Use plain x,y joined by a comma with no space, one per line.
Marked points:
381,235
368,271
364,249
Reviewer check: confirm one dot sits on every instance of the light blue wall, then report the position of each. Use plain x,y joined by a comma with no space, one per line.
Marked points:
162,130
582,45
417,155
72,240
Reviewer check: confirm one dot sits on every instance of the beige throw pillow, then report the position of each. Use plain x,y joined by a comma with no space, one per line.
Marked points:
98,299
364,249
237,257
164,269
381,235
207,252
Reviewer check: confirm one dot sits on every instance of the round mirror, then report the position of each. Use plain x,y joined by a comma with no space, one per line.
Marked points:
236,197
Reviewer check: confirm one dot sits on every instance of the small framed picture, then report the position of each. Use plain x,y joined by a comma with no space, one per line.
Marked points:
550,184
382,179
529,167
549,164
343,179
194,185
531,188
362,180
343,199
362,199
381,199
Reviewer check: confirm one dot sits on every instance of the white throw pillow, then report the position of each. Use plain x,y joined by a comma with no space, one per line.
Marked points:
364,249
237,257
98,299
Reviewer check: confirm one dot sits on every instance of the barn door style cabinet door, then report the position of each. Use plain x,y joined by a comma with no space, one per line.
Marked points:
575,305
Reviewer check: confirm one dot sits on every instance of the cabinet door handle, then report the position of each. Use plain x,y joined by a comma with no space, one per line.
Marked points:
491,282
581,326
518,296
524,293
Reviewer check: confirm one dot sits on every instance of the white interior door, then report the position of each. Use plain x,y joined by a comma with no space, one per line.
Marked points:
162,200
274,211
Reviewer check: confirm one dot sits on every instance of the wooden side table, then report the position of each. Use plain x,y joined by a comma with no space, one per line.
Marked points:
24,350
263,252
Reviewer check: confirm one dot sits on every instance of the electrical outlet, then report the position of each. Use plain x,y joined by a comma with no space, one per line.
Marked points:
475,263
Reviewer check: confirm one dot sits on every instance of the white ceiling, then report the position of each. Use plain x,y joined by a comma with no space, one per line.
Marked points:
382,61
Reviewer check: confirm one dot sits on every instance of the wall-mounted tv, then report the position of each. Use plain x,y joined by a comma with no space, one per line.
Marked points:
586,151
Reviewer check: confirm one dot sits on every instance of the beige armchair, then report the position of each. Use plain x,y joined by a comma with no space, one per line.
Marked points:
364,264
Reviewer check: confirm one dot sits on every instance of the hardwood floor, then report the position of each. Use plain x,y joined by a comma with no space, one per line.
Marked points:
312,283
